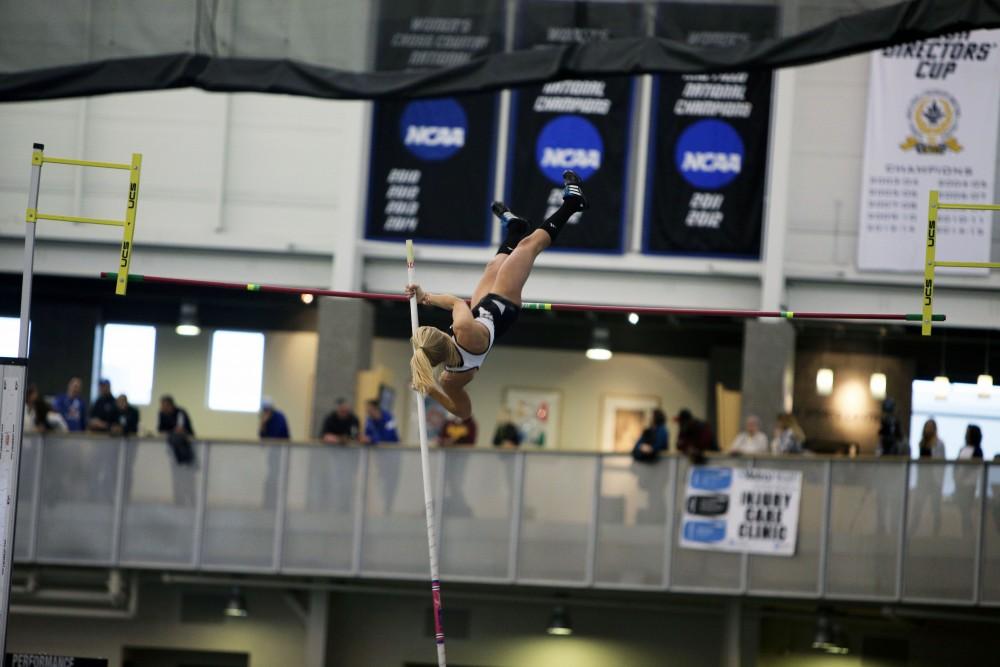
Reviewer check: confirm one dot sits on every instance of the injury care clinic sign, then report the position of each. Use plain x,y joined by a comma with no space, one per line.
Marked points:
750,510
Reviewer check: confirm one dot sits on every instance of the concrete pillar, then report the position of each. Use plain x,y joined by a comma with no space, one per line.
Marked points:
346,328
732,640
768,370
316,625
776,213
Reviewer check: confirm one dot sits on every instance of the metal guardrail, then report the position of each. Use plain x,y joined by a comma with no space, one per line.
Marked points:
869,529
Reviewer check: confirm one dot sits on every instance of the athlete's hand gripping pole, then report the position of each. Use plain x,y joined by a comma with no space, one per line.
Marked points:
425,468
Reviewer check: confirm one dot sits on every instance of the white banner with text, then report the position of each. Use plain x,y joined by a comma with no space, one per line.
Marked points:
932,125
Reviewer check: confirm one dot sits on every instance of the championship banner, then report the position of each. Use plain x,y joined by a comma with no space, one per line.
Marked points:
583,125
932,125
749,510
432,161
709,140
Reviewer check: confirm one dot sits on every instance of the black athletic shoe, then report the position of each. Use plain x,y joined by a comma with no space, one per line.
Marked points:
509,220
572,189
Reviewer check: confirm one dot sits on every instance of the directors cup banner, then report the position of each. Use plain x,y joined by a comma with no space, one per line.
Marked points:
932,125
750,510
431,171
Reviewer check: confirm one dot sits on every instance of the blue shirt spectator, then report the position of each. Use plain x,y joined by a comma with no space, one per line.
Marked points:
70,406
380,426
272,422
654,439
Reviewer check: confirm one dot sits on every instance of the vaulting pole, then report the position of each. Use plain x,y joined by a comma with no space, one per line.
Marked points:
425,468
581,307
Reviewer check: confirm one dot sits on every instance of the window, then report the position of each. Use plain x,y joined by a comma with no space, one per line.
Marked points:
236,371
9,330
127,352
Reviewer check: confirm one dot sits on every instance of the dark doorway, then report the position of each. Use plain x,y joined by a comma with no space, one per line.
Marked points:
166,657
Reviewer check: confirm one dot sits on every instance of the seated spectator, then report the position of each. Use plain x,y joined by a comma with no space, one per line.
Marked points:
654,439
694,437
273,423
341,426
507,435
38,416
173,419
750,441
128,418
788,435
104,411
458,433
70,406
379,425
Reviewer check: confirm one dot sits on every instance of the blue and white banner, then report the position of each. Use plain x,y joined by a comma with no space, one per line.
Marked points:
748,510
933,116
579,124
708,140
432,161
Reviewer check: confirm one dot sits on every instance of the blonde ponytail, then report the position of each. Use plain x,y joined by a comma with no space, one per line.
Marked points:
431,348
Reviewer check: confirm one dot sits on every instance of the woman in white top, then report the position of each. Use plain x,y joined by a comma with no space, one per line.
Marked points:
496,304
967,477
751,441
788,435
929,478
39,417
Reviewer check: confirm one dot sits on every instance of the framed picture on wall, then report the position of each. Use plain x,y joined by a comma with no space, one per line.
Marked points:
536,413
623,419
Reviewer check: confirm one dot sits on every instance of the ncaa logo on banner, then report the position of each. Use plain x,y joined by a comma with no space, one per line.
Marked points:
709,154
569,142
433,129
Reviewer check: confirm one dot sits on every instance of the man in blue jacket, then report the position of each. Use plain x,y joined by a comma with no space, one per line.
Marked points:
380,425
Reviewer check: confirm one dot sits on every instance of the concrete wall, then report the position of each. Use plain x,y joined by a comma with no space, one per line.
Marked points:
258,184
271,634
678,383
181,369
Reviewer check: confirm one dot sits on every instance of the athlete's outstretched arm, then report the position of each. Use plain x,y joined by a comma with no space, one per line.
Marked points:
461,314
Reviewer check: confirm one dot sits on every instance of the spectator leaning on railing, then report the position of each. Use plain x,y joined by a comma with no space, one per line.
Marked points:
654,439
70,405
750,441
379,426
341,426
104,411
694,437
273,423
39,417
128,418
788,435
507,435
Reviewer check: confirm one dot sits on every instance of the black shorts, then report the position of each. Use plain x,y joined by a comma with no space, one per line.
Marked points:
502,311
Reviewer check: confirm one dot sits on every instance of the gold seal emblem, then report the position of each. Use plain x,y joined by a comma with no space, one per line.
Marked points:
933,118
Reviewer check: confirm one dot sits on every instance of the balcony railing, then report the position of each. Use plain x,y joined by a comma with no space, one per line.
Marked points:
868,529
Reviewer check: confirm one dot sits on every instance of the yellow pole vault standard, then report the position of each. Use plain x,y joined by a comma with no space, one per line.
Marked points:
928,308
931,263
32,216
125,260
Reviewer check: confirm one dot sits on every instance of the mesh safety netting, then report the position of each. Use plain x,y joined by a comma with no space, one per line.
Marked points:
417,48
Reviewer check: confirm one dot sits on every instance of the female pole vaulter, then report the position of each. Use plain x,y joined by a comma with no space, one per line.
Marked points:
497,303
